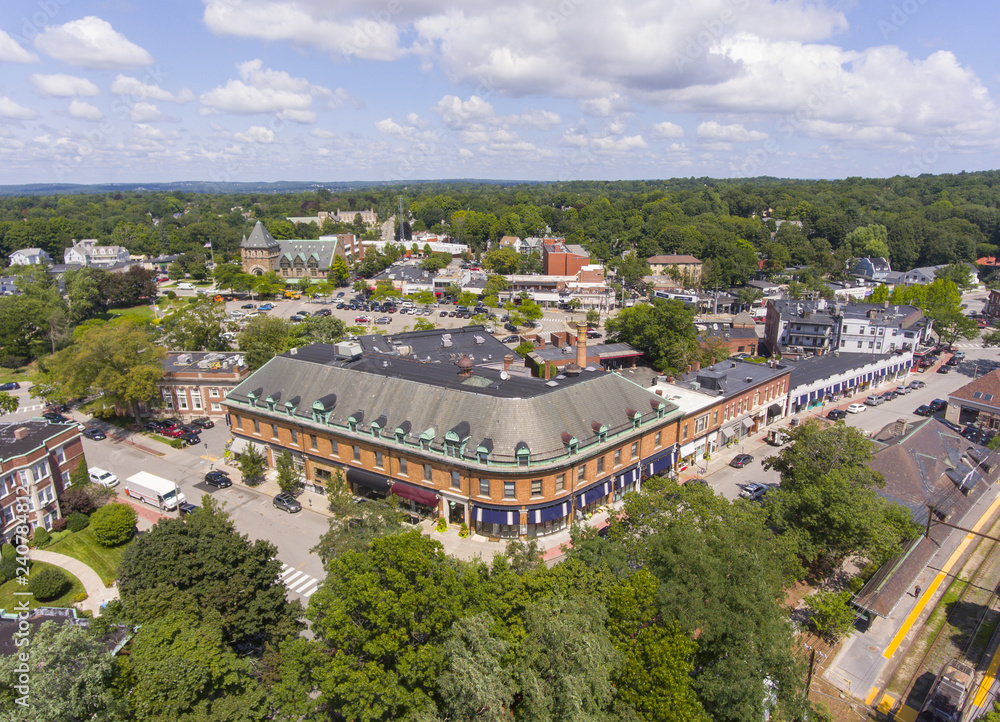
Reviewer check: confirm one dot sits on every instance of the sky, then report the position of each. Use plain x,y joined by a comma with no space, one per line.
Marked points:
98,91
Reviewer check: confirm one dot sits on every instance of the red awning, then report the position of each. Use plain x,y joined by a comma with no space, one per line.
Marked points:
414,493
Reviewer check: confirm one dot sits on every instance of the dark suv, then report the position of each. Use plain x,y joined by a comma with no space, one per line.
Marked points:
938,405
218,479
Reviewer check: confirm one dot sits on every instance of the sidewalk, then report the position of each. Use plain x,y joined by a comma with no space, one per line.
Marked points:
97,593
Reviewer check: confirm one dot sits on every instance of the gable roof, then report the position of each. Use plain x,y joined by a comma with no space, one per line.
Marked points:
984,391
672,259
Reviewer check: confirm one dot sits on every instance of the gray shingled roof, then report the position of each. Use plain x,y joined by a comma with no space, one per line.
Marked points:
259,238
540,419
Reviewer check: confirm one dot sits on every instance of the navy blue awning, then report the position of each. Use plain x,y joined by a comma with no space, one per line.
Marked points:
548,513
495,515
629,476
589,496
664,459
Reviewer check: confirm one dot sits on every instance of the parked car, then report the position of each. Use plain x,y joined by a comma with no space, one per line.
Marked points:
510,327
102,477
923,410
383,320
186,508
203,422
741,460
951,425
901,390
855,408
938,405
95,434
753,491
362,319
10,386
322,313
189,438
287,502
836,414
917,384
945,369
874,400
56,419
266,307
250,306
513,338
593,334
218,479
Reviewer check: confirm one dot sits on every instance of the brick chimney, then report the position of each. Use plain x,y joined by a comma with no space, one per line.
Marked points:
20,433
696,365
507,361
581,345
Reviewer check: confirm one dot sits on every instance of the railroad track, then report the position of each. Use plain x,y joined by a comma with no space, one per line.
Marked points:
960,626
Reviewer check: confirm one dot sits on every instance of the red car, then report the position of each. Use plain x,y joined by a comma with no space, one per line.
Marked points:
362,319
176,432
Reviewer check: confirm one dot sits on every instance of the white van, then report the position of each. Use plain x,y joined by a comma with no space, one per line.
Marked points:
185,286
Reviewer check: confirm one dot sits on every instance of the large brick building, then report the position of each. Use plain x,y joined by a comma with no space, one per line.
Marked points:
296,259
445,422
36,459
560,259
196,383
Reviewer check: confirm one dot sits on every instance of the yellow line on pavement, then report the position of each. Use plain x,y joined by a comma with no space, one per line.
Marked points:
871,696
206,457
911,618
988,679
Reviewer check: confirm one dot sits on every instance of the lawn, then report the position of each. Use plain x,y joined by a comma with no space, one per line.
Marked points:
9,602
83,546
143,311
19,374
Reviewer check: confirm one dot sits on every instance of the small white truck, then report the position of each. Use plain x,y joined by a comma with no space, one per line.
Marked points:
154,490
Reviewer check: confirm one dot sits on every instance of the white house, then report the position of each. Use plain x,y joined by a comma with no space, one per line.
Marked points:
30,257
88,253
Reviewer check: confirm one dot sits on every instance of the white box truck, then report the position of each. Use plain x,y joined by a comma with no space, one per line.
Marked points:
155,490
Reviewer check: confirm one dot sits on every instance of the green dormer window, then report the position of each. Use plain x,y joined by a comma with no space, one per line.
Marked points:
426,438
522,453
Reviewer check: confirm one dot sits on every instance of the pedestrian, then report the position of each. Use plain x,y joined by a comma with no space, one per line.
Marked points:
916,592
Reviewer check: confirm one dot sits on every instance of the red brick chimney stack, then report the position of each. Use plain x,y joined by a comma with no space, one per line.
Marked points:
581,345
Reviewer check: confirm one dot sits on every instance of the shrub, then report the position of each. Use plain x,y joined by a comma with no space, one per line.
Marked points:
113,524
177,443
77,521
171,295
47,584
59,524
81,597
441,525
8,552
76,500
79,476
832,614
41,537
463,530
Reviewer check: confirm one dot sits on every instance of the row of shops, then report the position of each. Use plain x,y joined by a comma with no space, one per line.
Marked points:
831,390
508,521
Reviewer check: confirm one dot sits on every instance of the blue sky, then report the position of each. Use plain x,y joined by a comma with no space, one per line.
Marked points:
251,90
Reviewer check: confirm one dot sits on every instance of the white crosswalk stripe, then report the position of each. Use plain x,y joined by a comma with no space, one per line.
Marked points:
298,582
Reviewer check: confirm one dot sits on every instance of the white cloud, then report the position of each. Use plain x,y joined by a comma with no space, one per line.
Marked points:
63,86
138,90
322,133
736,133
540,119
144,113
414,132
256,134
10,109
457,113
262,90
619,145
84,111
605,106
91,42
12,52
666,130
336,28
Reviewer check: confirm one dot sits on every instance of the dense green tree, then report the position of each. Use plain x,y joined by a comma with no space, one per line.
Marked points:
113,524
118,360
263,338
353,526
73,678
196,326
339,272
289,478
252,465
664,331
322,329
195,564
869,241
503,261
476,685
180,667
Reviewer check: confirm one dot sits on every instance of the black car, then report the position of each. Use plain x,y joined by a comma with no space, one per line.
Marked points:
56,419
203,422
836,414
322,313
187,508
510,327
248,305
923,410
189,439
513,338
218,479
157,425
95,434
938,405
741,460
10,386
287,502
170,423
946,369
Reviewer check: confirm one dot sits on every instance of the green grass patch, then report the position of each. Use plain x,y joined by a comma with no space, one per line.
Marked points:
143,311
83,546
21,374
9,602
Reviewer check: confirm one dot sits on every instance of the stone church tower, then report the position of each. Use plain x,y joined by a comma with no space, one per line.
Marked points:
259,253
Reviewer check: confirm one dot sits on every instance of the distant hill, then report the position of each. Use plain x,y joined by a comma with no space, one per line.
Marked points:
43,189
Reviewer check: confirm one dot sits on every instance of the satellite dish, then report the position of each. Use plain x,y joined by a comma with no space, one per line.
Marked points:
504,375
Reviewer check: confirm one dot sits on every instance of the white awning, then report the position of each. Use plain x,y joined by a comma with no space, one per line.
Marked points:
239,445
688,449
